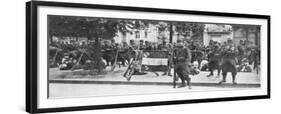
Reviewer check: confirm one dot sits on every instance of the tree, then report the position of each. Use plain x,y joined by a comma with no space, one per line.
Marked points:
162,27
92,28
73,26
182,28
196,29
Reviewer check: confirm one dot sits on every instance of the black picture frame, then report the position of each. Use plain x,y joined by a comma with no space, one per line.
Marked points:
32,55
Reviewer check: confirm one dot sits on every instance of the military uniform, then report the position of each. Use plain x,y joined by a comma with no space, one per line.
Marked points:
241,53
166,47
107,53
214,61
182,65
228,64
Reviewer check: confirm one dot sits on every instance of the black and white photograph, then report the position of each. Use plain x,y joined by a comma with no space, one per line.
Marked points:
140,56
97,56
88,56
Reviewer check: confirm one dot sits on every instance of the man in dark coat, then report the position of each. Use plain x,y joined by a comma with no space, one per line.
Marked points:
214,61
182,64
229,60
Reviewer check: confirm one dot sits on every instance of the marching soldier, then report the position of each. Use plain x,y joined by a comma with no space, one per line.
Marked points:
182,64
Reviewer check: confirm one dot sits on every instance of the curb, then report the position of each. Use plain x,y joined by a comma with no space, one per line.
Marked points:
239,85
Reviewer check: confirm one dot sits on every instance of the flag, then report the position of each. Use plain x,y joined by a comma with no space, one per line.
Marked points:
155,60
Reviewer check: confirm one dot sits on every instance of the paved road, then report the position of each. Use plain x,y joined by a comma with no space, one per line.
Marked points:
117,75
58,90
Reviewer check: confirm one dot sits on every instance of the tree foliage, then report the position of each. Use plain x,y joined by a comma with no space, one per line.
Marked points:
63,26
93,28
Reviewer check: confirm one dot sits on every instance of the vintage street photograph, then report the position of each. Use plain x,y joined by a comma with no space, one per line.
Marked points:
101,56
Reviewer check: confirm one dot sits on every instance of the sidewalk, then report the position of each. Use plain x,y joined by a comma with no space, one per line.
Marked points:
116,77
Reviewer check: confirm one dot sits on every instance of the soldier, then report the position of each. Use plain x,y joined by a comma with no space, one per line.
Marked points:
133,45
141,45
107,50
168,48
107,46
214,61
241,51
148,45
228,63
66,62
182,64
197,55
164,46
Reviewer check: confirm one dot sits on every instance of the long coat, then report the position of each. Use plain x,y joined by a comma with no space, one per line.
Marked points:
183,58
229,59
214,59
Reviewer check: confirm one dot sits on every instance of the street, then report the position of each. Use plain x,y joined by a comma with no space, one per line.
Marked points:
117,75
65,84
58,90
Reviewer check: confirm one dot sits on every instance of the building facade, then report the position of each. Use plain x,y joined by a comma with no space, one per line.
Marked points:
217,32
151,34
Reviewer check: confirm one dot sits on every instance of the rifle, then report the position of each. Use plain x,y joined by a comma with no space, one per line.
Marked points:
132,65
130,70
74,66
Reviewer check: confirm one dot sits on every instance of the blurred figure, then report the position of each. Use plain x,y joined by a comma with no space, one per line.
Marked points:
182,64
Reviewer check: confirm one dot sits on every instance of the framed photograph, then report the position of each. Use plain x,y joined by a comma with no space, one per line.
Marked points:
86,56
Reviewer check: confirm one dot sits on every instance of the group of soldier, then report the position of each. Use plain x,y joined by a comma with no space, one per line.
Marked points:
224,56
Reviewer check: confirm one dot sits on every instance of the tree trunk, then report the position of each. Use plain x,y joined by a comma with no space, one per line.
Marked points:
257,37
201,36
76,38
171,33
97,50
247,34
